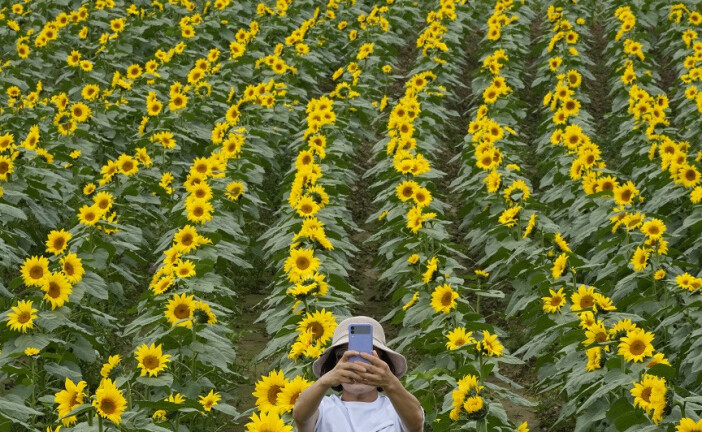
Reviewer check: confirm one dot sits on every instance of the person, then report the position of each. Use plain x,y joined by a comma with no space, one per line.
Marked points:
360,408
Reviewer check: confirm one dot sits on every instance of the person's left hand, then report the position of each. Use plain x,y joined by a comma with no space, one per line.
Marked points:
378,373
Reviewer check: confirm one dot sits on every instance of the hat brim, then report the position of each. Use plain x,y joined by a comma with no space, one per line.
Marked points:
399,362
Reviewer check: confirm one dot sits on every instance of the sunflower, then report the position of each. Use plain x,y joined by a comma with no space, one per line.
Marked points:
559,265
127,165
269,421
689,425
624,194
209,400
70,398
640,259
649,395
57,289
596,333
112,362
199,211
490,345
151,360
178,101
594,359
509,216
80,112
321,324
34,270
186,239
307,206
432,266
405,190
636,345
22,316
443,299
301,264
184,269
109,401
422,197
89,215
555,302
180,307
584,298
90,92
104,201
234,190
72,268
459,337
267,390
289,394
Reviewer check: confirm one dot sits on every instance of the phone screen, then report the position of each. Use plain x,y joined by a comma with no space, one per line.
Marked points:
361,340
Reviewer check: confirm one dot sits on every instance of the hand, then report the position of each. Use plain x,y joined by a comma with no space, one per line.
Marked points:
345,371
378,373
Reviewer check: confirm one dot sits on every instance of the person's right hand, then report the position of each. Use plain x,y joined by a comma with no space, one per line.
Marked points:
345,371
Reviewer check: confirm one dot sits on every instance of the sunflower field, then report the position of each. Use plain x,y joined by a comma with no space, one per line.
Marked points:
193,193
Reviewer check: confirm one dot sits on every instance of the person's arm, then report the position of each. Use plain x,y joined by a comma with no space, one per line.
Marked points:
406,405
306,409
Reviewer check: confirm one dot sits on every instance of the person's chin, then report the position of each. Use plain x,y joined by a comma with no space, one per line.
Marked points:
358,388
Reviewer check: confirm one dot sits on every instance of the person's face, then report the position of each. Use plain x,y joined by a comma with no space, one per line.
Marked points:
356,388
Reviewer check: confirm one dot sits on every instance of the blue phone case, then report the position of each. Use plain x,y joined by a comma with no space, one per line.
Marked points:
361,340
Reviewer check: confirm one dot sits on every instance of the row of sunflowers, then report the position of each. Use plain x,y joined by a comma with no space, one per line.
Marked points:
533,207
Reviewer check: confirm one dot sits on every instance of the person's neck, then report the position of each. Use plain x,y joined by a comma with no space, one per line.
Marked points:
369,396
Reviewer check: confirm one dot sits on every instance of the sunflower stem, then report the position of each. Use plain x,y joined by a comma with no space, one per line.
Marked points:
99,423
129,395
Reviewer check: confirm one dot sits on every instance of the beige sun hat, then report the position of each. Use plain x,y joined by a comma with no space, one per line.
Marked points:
341,336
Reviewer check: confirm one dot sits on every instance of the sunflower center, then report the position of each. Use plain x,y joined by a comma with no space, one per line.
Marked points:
653,230
607,186
108,406
556,301
317,329
36,272
187,239
23,317
302,262
198,211
646,394
460,342
150,362
626,195
68,268
4,167
182,311
587,301
690,175
306,208
637,347
447,298
54,290
273,394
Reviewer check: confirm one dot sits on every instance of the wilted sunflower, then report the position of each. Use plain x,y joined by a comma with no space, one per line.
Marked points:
151,359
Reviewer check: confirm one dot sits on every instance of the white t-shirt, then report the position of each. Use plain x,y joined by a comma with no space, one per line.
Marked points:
336,415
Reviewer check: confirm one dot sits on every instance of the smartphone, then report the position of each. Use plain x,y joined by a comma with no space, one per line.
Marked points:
361,340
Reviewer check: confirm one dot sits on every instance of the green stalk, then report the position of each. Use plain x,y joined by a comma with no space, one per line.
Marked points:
99,422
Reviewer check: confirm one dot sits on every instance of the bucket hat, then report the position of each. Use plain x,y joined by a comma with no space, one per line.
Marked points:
341,336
